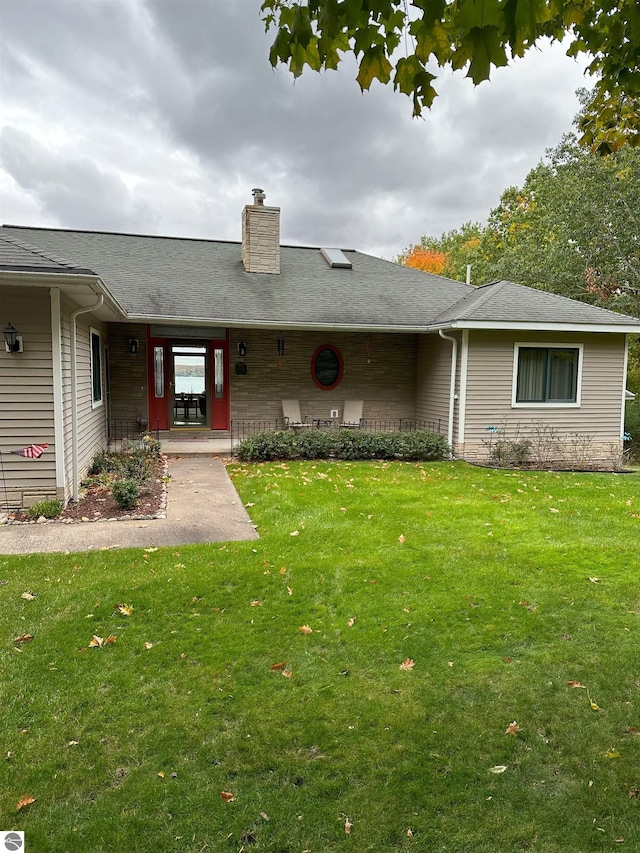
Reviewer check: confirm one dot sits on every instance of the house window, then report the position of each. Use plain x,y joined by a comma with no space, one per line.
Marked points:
547,375
96,368
326,367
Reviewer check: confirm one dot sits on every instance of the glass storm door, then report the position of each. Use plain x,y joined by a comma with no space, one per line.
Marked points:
188,385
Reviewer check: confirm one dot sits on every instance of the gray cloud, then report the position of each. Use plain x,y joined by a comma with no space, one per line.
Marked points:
159,116
76,192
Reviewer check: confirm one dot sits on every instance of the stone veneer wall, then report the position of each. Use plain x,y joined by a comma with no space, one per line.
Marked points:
127,373
261,238
379,369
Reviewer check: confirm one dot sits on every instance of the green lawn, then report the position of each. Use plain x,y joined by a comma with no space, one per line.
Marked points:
501,587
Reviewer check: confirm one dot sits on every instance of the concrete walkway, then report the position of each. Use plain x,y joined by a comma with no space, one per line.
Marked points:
202,506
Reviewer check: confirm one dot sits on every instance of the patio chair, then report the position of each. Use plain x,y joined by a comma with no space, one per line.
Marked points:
352,414
292,416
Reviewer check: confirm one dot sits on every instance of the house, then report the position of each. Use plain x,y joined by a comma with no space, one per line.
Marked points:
182,334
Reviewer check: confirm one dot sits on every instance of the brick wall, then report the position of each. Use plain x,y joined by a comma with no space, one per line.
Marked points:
127,373
383,374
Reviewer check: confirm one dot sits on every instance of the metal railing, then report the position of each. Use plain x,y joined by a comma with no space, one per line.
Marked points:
120,431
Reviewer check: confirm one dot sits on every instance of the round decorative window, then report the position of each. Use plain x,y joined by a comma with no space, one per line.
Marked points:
326,367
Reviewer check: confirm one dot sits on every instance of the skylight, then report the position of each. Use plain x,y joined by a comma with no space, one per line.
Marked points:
336,259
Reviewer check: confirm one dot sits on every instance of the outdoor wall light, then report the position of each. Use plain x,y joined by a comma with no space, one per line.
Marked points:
133,346
242,349
12,342
280,346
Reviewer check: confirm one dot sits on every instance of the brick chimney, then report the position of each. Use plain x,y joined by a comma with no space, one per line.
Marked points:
261,236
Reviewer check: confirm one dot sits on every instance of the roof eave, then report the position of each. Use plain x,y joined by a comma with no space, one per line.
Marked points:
66,280
539,326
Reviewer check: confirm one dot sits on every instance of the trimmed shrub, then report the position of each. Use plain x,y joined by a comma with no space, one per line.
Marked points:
342,444
125,493
48,509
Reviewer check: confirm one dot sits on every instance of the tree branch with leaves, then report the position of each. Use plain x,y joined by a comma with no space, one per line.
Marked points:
471,35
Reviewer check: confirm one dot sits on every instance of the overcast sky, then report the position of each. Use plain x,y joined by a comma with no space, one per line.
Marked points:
160,116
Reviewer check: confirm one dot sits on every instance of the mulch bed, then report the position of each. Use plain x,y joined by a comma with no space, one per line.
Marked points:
97,504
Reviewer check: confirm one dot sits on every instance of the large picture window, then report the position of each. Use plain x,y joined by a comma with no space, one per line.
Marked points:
96,368
326,367
547,375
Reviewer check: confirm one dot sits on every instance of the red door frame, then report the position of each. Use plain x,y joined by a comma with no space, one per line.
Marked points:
220,408
159,406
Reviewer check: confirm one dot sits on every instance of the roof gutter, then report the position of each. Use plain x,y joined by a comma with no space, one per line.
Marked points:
74,393
452,385
524,326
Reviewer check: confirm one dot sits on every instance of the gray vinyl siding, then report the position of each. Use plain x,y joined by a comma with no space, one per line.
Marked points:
92,432
490,381
433,385
26,395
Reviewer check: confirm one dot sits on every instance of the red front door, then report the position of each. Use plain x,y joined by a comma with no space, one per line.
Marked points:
172,406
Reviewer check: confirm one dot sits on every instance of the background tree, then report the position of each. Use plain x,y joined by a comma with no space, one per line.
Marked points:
449,254
573,228
475,35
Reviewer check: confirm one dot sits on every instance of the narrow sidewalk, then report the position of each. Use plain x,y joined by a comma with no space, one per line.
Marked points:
202,506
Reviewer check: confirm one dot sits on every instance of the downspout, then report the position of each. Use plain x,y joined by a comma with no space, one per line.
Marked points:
74,394
627,340
452,389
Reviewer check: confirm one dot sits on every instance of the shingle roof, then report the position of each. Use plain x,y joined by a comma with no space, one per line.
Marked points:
182,279
204,280
18,256
514,303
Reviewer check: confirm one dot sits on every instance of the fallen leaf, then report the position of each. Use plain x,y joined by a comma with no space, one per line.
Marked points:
73,743
507,659
348,826
25,801
305,629
295,533
634,793
28,596
351,622
283,570
407,665
110,639
513,729
612,753
401,538
594,580
290,590
256,603
24,638
287,673
631,730
96,642
264,816
276,666
148,645
227,796
498,768
410,833
553,509
593,705
161,774
125,609
575,684
150,550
